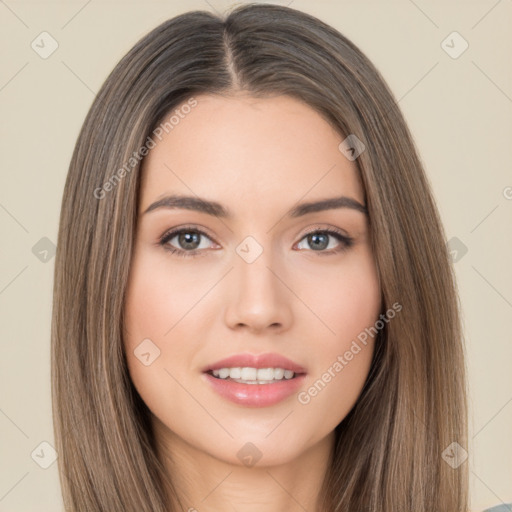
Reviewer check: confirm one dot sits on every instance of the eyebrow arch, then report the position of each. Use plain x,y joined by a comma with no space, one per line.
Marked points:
218,210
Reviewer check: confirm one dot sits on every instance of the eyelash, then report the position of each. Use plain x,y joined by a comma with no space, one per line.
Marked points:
346,241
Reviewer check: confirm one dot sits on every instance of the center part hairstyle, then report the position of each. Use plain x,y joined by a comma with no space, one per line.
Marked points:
388,449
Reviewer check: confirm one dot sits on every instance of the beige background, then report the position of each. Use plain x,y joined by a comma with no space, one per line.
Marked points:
459,111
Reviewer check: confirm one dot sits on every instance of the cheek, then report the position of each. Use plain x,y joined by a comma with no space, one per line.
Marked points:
160,301
345,299
153,317
160,307
348,304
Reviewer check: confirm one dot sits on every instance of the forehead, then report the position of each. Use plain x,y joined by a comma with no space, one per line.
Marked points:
251,150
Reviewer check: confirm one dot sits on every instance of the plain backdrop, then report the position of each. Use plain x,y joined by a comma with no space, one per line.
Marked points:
456,100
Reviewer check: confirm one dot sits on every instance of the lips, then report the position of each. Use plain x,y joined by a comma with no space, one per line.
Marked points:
267,360
254,395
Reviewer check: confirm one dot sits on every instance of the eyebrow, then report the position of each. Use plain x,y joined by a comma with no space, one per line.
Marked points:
218,210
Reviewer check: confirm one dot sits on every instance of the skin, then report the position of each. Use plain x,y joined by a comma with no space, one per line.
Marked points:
259,158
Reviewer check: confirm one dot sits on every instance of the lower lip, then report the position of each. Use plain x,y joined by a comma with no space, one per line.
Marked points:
255,395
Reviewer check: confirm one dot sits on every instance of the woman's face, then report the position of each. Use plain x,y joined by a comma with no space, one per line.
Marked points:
253,281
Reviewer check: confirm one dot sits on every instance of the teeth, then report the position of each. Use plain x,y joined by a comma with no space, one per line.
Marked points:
253,375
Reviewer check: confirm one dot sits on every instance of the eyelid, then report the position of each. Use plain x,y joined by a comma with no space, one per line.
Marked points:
325,227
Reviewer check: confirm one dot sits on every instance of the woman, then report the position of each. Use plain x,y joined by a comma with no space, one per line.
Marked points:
254,307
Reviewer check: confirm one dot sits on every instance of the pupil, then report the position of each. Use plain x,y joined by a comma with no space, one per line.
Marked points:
315,238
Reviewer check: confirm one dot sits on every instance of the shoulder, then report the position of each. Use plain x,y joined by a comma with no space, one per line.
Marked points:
500,508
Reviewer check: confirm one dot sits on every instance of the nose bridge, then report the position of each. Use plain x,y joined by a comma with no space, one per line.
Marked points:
253,268
261,299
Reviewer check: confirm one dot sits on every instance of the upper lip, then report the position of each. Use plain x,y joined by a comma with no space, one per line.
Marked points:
267,360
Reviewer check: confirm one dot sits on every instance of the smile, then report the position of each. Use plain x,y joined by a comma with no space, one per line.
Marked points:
248,375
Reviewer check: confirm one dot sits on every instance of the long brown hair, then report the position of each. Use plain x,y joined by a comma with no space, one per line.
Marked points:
388,454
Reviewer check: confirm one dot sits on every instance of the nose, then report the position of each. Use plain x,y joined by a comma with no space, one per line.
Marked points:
261,297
